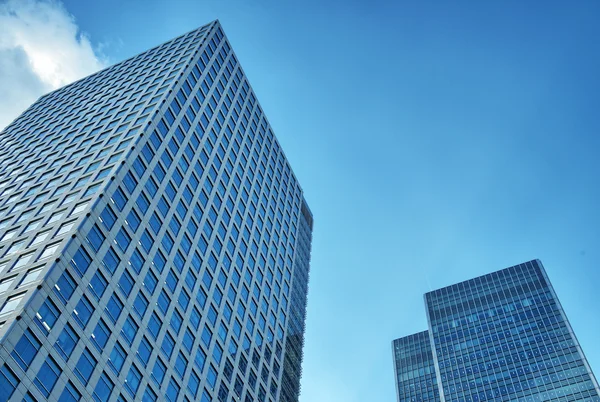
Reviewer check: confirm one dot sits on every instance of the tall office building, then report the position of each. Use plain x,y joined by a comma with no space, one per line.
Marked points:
499,337
154,242
414,368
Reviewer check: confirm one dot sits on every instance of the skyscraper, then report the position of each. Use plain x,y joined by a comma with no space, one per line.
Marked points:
499,337
154,241
414,368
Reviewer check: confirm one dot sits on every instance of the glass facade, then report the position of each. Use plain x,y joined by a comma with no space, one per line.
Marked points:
505,337
154,241
415,369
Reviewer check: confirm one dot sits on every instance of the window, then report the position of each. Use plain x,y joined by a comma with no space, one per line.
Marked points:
117,358
133,220
83,311
23,260
132,382
111,260
137,261
98,285
6,283
8,383
122,239
149,396
103,389
65,227
126,283
95,238
79,208
47,376
194,384
168,344
154,325
158,372
180,365
129,330
114,307
81,261
26,349
172,391
47,315
144,351
85,366
65,344
69,394
108,217
118,199
140,304
100,335
31,276
40,237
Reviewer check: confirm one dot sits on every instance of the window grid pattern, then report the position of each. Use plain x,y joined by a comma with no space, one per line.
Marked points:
57,156
505,337
188,277
415,369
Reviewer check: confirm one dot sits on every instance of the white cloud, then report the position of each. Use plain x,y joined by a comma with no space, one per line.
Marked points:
41,49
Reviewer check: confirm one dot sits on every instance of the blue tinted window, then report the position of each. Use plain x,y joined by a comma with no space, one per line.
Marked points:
159,261
117,358
154,325
129,330
65,286
100,335
163,302
108,217
144,351
47,376
180,365
114,307
155,223
47,315
83,311
133,219
176,321
158,372
81,261
137,261
98,284
8,383
140,304
69,394
168,344
122,239
103,389
111,260
119,200
147,241
172,391
149,396
129,181
95,238
126,283
85,366
143,203
26,349
150,282
65,344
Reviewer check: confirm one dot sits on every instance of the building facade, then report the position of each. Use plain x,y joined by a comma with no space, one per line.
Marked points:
415,369
154,241
503,337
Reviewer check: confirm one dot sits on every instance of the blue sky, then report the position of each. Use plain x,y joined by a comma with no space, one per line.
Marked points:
435,142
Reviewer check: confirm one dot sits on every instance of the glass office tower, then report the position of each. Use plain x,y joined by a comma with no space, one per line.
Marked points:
154,241
415,369
505,337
